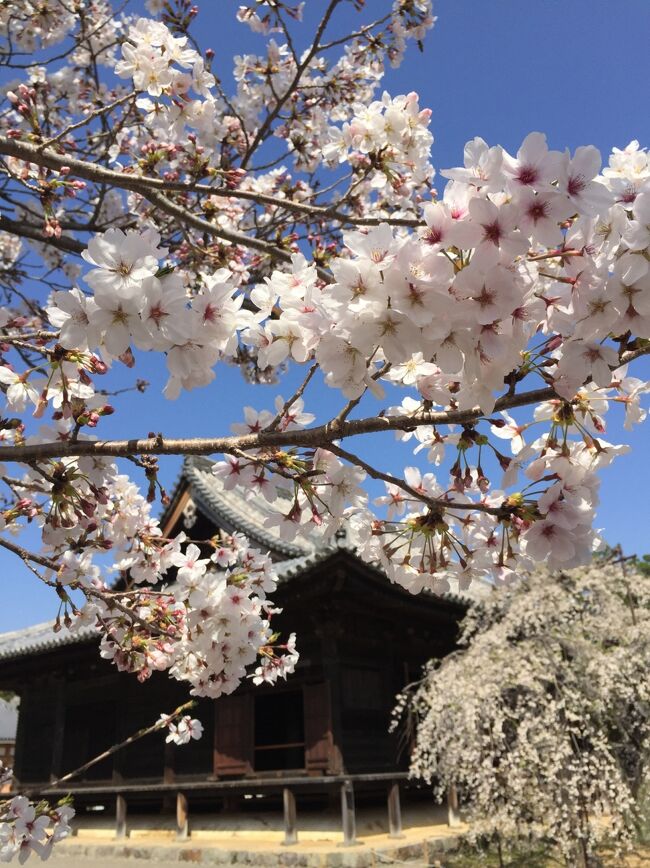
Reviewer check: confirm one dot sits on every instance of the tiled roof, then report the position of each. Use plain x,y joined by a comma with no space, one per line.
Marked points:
287,569
40,637
231,511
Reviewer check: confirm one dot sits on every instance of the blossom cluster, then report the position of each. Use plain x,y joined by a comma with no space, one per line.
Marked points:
548,696
27,827
206,628
182,731
390,141
31,24
134,303
514,252
148,55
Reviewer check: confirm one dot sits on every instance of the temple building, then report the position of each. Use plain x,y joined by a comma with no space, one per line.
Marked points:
323,732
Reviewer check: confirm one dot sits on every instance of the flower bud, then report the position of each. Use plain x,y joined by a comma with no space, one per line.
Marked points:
97,366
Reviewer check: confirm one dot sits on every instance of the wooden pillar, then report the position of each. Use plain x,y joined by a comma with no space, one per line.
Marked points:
120,758
289,804
332,673
182,817
394,811
56,768
120,816
453,814
348,817
169,803
21,738
168,764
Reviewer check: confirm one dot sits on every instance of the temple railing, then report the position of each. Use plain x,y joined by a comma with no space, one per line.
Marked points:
288,786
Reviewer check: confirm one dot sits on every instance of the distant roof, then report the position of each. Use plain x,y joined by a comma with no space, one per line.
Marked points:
8,720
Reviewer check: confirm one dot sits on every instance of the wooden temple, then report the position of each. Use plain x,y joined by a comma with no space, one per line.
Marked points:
323,733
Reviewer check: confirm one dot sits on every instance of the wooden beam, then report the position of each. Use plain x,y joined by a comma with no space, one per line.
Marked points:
120,816
238,787
176,513
182,817
348,816
289,804
394,811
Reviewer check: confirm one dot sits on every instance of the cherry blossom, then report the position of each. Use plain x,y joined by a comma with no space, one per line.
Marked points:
289,225
184,730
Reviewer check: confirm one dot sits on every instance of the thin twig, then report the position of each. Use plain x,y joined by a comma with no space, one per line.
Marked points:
159,724
434,502
296,395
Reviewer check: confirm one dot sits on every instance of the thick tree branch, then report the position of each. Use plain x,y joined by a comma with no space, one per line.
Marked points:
149,190
41,155
25,555
175,210
320,435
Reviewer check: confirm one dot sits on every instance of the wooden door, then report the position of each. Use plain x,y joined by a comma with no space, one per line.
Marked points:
233,735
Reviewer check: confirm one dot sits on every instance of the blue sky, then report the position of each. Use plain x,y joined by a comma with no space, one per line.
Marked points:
576,70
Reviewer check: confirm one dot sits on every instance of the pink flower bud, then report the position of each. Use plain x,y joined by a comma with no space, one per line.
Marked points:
97,366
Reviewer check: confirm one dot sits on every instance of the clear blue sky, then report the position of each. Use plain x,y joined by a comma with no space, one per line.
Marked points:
576,70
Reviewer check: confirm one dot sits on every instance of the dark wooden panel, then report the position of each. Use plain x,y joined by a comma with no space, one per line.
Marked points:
363,687
36,723
233,735
90,729
318,727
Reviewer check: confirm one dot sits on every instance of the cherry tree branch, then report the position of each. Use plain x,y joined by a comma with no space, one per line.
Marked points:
100,175
320,435
41,155
272,426
110,598
102,110
25,555
264,129
175,210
